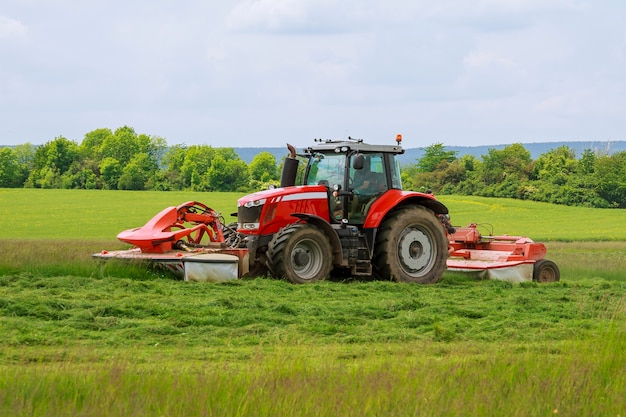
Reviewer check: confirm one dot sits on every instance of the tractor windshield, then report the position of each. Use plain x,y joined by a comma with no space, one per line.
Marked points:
326,169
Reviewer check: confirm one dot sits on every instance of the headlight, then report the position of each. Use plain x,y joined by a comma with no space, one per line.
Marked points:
254,203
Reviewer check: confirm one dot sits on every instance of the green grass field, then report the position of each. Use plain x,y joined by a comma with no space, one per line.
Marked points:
540,221
97,214
80,339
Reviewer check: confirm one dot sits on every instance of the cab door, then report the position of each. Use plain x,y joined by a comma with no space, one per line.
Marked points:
367,183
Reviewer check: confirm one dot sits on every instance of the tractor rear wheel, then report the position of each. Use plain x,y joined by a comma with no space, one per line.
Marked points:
411,246
301,253
546,271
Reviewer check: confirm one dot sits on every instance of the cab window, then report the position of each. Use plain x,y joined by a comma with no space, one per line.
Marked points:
327,169
396,178
371,178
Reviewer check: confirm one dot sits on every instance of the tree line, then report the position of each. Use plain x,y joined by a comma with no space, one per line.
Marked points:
124,160
557,176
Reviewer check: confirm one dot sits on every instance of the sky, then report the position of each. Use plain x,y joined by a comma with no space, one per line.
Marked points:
259,73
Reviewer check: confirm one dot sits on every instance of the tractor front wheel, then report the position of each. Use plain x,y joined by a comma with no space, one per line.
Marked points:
301,253
546,271
411,246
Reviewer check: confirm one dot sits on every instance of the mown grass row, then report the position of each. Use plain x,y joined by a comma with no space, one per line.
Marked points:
90,311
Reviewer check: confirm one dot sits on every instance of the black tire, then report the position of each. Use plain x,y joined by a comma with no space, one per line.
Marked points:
300,253
411,246
229,229
546,271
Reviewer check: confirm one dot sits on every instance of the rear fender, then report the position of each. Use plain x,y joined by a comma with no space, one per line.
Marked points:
328,230
394,199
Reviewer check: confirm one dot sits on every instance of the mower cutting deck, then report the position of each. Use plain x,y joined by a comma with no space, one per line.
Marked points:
507,258
186,240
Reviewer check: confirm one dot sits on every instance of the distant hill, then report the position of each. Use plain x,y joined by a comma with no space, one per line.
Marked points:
410,155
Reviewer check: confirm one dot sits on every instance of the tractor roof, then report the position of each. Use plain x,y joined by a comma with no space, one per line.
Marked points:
351,145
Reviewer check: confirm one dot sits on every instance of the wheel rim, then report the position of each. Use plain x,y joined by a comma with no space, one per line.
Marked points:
547,274
415,250
306,259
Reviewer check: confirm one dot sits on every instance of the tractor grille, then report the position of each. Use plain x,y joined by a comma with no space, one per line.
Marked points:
249,214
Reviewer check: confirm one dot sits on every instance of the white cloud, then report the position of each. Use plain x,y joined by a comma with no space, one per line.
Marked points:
497,15
551,104
276,15
11,28
486,59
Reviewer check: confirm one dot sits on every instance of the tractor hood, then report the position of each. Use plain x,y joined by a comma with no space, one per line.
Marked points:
267,211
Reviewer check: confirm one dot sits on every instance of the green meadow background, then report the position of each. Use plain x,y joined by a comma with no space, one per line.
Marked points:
80,338
99,214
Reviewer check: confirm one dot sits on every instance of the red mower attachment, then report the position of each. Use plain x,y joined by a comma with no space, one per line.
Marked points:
508,258
187,240
190,223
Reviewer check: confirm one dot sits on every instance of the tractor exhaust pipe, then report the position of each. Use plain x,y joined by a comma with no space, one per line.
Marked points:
290,168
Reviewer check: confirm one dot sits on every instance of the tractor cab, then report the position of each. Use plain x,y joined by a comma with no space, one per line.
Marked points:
356,174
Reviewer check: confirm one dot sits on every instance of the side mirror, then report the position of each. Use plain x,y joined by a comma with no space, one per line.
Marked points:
358,161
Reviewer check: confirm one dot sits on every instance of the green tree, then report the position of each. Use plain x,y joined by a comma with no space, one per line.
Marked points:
434,155
10,175
154,146
110,173
80,176
137,172
59,153
446,178
512,161
588,161
171,178
196,164
91,146
409,174
610,173
555,165
122,145
263,170
25,155
51,161
228,175
47,177
174,158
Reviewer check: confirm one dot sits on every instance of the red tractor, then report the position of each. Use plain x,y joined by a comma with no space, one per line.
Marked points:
349,216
